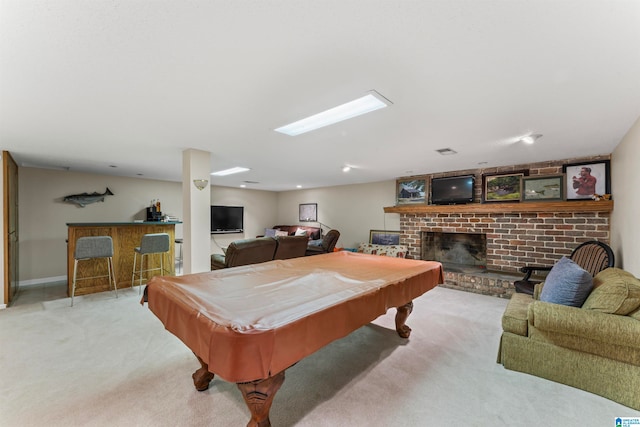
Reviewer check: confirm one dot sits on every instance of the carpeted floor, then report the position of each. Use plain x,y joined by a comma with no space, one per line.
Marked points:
109,362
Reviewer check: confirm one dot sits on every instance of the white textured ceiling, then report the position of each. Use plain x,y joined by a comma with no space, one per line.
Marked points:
133,83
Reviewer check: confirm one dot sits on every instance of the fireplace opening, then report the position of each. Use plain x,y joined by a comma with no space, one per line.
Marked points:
461,252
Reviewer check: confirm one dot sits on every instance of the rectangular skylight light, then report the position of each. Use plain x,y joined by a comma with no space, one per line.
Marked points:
366,104
230,171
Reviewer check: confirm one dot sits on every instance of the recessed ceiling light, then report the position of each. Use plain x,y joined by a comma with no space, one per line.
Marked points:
446,151
366,104
243,185
346,169
298,186
230,171
530,139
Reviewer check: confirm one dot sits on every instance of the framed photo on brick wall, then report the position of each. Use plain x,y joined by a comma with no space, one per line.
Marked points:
543,188
585,179
411,191
502,187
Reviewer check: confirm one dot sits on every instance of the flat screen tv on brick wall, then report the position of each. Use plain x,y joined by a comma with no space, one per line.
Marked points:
227,219
452,190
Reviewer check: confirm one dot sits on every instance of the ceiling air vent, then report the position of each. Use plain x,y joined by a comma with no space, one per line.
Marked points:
446,151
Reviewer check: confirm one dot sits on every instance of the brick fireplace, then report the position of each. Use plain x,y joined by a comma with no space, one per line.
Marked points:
517,234
513,239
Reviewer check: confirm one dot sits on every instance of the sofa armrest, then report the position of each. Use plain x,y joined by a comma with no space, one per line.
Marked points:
537,290
514,319
217,261
314,250
576,321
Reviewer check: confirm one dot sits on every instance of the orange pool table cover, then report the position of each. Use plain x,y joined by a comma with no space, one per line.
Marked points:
248,323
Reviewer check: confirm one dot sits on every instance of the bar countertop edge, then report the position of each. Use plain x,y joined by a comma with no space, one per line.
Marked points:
108,224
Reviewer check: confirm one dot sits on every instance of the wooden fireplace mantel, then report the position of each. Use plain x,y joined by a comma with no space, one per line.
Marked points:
524,207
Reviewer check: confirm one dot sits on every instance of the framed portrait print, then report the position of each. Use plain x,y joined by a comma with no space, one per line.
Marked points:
543,188
308,212
384,237
583,180
411,191
503,187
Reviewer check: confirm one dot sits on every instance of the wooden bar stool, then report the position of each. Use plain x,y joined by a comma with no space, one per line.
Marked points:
90,248
156,243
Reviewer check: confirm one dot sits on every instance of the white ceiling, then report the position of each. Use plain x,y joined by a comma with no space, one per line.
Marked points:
88,85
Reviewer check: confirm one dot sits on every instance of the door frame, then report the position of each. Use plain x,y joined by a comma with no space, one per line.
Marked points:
10,214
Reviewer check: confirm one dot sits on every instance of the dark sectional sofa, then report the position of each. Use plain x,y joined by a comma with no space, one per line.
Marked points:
260,249
313,233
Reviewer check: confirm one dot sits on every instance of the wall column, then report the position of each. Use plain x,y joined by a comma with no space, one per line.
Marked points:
196,210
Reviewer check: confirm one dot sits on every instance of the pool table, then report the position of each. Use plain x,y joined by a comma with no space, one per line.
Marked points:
249,324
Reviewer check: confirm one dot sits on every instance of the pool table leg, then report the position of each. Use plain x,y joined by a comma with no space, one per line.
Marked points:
401,316
202,377
258,396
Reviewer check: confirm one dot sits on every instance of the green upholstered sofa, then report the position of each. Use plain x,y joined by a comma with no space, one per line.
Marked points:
595,347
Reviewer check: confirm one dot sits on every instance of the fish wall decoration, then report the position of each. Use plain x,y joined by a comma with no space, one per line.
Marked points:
85,199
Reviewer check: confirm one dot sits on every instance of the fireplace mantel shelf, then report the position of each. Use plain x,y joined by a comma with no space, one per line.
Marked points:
525,207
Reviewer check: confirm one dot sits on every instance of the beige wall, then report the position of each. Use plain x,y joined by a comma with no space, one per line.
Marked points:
43,216
351,209
625,182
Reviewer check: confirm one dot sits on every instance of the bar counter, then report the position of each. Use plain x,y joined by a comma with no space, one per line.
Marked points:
126,237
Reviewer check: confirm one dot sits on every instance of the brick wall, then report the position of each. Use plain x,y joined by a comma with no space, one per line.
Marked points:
513,239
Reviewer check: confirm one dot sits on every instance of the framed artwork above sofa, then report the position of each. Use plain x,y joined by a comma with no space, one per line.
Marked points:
308,212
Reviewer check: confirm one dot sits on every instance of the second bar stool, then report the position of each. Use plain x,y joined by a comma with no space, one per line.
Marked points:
156,243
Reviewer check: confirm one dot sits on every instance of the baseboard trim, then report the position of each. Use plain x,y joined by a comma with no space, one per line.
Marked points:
35,282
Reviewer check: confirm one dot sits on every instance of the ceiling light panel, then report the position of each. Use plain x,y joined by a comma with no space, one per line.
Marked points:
371,102
230,171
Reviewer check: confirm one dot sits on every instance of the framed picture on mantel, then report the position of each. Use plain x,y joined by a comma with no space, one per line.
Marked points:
584,180
543,188
502,187
411,191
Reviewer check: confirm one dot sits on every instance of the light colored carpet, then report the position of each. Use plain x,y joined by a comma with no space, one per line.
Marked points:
109,362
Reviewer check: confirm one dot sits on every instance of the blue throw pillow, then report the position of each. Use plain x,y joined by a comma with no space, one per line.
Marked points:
567,284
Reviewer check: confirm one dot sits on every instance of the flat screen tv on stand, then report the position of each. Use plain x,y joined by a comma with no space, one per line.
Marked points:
452,190
227,219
